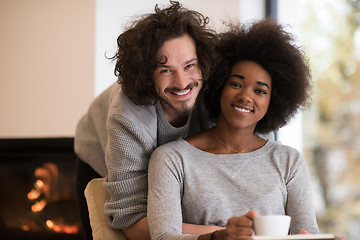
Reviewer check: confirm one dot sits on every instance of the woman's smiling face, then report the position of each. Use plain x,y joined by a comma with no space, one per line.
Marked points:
246,95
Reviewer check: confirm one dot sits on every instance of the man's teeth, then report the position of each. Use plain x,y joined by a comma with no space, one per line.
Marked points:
184,92
242,109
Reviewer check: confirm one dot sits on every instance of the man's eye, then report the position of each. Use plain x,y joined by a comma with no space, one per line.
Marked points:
189,65
164,71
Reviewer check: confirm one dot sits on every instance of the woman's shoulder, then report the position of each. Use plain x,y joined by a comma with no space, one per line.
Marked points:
279,146
283,153
201,140
174,146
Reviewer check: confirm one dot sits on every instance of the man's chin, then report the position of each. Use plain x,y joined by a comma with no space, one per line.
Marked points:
179,108
183,110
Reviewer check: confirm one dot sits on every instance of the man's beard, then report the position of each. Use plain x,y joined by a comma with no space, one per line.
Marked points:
182,111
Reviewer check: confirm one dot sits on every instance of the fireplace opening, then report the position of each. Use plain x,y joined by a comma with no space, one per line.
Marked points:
37,183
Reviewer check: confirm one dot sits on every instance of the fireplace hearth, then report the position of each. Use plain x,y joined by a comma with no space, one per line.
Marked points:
37,184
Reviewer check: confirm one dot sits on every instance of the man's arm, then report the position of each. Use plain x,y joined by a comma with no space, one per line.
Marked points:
131,131
199,229
140,230
127,157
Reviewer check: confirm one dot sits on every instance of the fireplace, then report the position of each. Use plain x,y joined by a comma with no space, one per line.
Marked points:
37,184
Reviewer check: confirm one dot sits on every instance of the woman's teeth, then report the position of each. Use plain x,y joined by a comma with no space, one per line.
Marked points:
242,110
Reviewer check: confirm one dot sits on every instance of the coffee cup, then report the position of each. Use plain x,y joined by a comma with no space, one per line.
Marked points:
272,225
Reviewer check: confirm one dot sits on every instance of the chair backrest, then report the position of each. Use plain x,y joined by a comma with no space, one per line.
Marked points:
96,195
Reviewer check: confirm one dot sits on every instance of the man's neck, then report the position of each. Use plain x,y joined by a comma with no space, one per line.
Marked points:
175,119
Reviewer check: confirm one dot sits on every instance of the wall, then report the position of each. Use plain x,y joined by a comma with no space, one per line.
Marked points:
47,62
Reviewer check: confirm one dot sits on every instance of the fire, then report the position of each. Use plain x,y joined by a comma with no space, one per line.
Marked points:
46,191
36,192
38,206
50,224
25,228
69,229
39,184
33,194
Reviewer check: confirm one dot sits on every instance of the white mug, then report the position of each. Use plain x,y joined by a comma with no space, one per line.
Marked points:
272,225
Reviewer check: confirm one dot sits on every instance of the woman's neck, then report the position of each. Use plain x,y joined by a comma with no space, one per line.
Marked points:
231,140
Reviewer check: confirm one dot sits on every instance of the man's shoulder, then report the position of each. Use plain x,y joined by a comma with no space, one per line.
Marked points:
123,106
139,118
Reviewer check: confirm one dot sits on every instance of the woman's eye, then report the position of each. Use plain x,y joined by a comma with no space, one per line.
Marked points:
235,85
260,91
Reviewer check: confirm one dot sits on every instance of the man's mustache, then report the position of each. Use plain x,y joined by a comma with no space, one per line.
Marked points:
176,89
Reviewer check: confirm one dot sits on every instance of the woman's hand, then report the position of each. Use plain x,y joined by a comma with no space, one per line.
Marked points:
304,231
240,227
237,228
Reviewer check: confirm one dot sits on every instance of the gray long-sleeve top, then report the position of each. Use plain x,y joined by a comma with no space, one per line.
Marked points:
192,186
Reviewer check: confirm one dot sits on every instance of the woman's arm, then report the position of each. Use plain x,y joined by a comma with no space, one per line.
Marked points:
299,197
164,199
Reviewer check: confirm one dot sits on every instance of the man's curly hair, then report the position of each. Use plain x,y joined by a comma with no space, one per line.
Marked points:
269,45
138,45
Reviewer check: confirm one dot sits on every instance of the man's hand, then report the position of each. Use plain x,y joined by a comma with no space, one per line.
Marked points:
138,231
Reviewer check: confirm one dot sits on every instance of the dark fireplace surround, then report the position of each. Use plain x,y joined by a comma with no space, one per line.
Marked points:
38,197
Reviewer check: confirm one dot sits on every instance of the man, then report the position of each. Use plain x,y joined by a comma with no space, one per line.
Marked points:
161,64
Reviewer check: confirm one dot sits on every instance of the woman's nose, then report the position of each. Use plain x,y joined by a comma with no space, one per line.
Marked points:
245,95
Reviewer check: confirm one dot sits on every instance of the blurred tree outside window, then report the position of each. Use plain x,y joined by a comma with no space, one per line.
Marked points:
330,35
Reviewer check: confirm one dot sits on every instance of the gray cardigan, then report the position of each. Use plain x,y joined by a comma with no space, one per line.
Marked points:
116,138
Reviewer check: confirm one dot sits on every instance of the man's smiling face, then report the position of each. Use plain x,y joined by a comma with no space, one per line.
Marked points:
177,78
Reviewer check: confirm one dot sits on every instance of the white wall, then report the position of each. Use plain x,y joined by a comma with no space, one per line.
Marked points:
289,16
111,19
46,66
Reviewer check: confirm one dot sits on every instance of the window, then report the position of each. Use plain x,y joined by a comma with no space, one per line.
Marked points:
329,31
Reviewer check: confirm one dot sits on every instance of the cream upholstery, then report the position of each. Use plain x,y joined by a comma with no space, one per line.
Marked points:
96,195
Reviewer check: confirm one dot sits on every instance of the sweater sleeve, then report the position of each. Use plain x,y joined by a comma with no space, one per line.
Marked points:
90,135
131,140
299,199
165,191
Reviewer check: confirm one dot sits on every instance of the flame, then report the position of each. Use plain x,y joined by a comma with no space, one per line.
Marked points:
25,228
36,191
69,229
33,194
39,184
50,224
38,206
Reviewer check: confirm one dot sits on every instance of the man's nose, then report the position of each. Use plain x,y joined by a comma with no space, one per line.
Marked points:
180,80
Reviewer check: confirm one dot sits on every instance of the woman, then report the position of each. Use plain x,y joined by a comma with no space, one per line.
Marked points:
228,174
